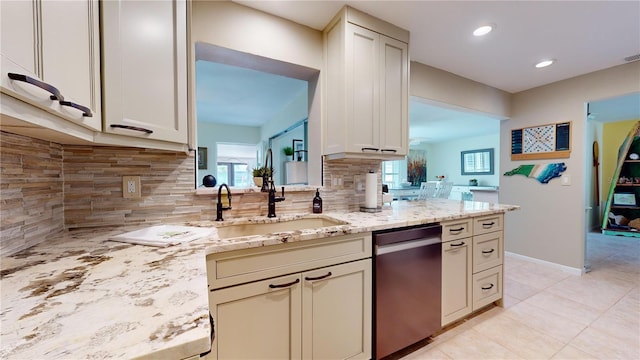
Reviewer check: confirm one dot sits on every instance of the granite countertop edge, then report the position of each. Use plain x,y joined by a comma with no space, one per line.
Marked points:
79,293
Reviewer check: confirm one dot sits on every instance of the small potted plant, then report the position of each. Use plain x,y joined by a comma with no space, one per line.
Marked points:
288,151
258,174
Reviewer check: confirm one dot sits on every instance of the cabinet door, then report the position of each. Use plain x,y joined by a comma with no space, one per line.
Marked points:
56,42
456,280
258,320
71,56
336,310
18,31
363,92
394,100
144,66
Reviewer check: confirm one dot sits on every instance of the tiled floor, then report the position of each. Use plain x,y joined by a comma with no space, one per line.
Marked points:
550,314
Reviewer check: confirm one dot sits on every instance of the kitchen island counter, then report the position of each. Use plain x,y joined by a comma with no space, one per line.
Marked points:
79,295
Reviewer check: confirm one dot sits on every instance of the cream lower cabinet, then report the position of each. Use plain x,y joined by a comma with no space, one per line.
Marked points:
457,263
472,259
323,312
259,320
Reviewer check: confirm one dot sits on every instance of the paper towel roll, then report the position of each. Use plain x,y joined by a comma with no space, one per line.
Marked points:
371,191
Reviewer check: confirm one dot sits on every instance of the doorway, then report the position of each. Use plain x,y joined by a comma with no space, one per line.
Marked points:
608,122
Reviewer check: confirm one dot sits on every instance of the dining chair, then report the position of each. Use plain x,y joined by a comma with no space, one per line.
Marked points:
444,190
427,190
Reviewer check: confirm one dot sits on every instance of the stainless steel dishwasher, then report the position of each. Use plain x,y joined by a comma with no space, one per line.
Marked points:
407,286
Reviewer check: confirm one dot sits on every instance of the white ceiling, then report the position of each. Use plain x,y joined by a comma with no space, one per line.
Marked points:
584,36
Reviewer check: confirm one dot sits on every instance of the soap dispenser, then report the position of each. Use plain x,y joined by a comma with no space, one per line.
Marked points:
317,203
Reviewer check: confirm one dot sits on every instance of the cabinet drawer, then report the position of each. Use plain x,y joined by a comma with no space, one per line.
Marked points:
487,251
487,287
240,266
456,229
487,224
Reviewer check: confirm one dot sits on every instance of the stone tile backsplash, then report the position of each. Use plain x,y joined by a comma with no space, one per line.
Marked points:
47,187
31,191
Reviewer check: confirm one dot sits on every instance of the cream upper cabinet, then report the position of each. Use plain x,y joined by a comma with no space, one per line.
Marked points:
144,71
51,60
367,86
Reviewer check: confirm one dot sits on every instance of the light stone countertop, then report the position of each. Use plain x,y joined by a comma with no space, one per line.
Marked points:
81,296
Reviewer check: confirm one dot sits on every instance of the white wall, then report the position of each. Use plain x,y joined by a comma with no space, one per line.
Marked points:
209,134
443,158
444,87
551,224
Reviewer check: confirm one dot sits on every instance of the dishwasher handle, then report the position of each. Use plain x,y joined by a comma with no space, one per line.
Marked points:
406,245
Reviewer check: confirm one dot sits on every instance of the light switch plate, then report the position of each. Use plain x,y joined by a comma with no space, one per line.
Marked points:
337,182
565,180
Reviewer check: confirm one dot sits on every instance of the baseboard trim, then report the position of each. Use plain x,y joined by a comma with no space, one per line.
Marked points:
567,269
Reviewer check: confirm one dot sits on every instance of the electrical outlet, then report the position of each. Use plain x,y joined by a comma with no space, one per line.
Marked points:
131,187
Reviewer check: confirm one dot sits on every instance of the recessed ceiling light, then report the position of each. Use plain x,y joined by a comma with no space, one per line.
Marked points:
483,30
545,63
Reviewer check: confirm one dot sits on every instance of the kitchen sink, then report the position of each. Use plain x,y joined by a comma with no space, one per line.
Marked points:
238,230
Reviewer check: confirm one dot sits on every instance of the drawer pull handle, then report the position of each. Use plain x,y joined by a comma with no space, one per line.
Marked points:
454,245
484,288
458,230
389,150
132,128
86,112
488,251
55,93
313,278
370,149
272,286
488,225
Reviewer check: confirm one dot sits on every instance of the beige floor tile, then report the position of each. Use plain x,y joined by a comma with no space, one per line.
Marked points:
564,307
571,353
518,290
429,352
537,276
622,321
558,327
591,290
516,336
511,262
509,301
474,345
604,346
